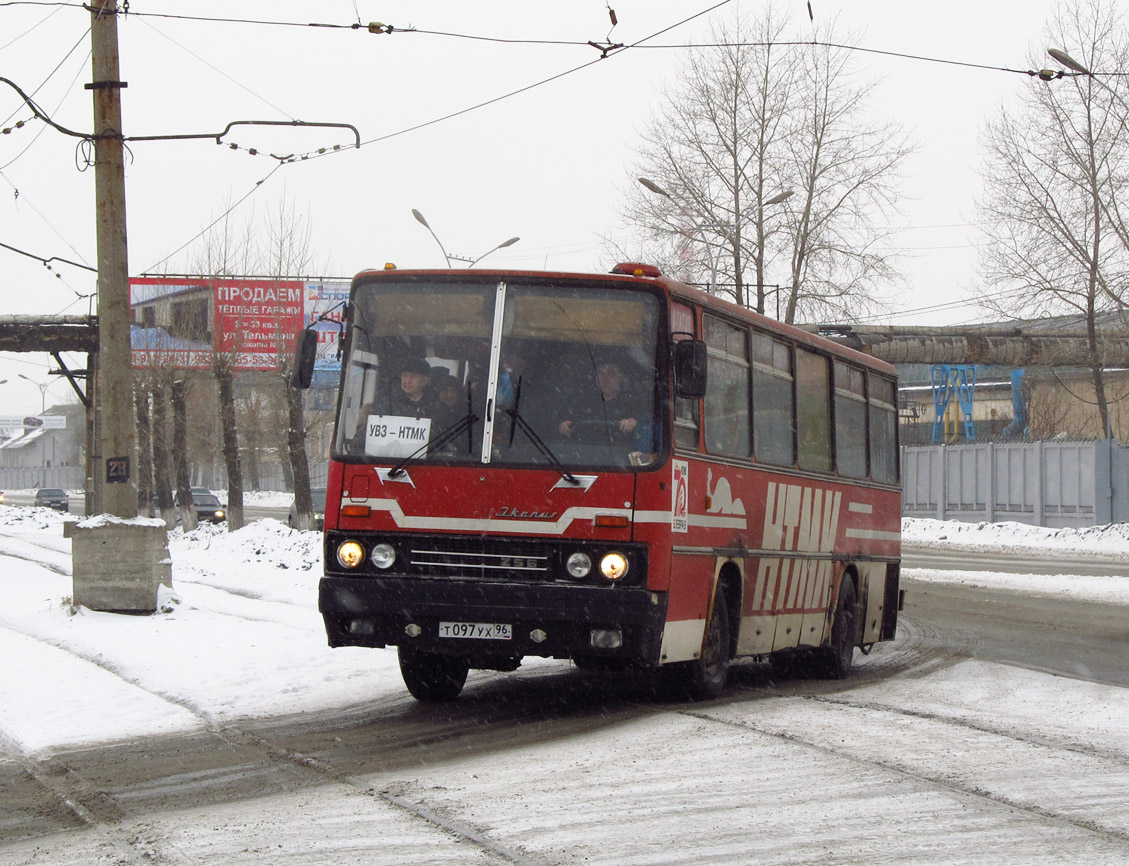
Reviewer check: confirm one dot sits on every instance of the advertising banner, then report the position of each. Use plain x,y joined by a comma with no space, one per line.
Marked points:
257,320
183,322
20,422
325,313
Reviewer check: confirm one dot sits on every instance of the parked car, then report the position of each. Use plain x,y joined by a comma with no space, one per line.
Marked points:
52,497
317,496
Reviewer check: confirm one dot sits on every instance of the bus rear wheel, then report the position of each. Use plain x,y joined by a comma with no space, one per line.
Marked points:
431,677
704,678
837,659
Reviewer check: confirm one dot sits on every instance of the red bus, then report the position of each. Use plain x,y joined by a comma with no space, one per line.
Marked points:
617,469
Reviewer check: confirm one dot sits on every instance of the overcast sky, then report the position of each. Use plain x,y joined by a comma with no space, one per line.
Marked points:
548,164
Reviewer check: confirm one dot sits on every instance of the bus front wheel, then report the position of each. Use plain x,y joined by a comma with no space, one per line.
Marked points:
431,677
705,677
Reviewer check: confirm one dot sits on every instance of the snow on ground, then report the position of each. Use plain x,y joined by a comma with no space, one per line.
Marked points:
1108,541
239,635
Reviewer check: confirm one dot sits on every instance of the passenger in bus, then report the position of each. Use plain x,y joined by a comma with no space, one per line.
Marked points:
609,413
450,403
513,366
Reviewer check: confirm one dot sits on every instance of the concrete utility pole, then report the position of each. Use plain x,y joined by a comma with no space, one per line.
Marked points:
117,565
114,480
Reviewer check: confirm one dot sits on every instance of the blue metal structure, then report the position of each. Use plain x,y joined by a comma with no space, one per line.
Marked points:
946,380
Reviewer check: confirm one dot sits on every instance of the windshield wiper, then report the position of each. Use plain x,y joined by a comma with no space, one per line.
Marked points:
517,421
441,439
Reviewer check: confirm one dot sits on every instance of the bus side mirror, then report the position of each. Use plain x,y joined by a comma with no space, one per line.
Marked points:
690,369
304,354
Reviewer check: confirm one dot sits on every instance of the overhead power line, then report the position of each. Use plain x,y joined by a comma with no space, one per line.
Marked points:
604,46
47,262
258,185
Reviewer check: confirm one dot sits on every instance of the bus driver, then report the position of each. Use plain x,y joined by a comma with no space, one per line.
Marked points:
614,416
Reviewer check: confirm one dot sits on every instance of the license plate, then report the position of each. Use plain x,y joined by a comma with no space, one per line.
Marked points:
477,630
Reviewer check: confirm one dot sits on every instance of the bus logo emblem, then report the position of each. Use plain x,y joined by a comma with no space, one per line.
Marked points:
515,514
680,497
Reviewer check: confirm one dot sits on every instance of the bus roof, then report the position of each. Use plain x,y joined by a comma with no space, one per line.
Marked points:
635,272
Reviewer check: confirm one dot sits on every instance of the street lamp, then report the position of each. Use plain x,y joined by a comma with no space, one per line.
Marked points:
780,196
470,262
423,222
722,229
1070,63
715,254
42,386
508,243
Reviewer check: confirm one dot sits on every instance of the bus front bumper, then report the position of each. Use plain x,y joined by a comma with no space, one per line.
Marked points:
443,616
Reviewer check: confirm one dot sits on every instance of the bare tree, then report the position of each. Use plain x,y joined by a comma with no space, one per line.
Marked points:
160,378
290,253
277,246
846,173
710,152
141,388
177,394
1056,171
224,253
749,120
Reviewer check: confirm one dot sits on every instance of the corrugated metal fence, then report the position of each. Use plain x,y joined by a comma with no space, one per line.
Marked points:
1055,484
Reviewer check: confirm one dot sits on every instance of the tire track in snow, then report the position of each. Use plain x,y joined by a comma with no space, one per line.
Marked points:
98,809
1048,780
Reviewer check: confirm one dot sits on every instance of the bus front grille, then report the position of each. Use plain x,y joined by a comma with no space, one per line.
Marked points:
484,559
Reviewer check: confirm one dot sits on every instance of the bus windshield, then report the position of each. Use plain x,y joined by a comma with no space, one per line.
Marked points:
501,371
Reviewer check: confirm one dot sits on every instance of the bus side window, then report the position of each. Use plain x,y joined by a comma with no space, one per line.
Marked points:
883,430
774,433
685,411
813,411
850,421
727,389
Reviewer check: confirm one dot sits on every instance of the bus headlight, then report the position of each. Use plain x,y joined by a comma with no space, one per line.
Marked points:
613,565
350,554
579,565
383,555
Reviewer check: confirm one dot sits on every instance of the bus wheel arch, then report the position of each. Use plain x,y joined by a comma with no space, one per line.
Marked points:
729,583
838,656
705,677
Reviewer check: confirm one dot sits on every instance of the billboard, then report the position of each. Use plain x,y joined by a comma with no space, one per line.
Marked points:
183,322
29,422
325,313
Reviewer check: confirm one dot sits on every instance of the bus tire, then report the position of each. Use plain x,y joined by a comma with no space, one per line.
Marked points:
838,658
704,678
791,664
431,677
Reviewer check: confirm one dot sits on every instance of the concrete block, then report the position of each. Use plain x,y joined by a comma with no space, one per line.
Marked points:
117,565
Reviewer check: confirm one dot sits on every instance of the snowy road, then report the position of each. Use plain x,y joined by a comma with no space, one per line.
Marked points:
225,732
